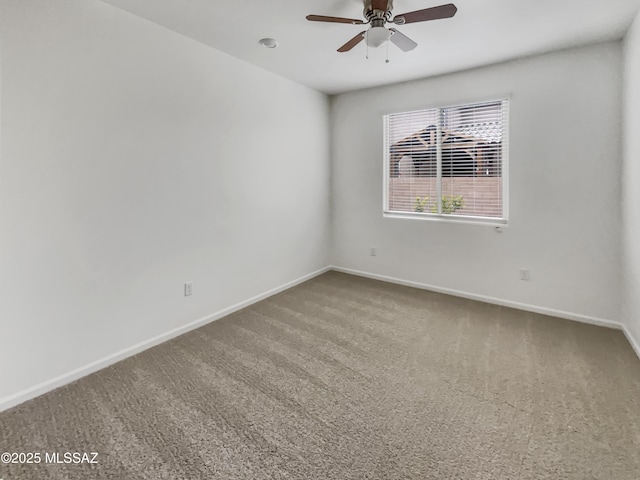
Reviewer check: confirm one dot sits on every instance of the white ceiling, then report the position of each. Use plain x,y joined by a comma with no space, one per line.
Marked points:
482,32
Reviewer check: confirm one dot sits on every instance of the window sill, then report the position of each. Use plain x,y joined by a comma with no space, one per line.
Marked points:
434,217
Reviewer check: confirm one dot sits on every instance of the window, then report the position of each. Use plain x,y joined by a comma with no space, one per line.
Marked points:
448,162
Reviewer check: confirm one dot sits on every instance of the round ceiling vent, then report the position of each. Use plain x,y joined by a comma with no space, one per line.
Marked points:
269,42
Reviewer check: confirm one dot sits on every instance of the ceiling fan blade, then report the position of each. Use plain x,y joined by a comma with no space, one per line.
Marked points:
402,41
434,13
379,5
323,18
352,43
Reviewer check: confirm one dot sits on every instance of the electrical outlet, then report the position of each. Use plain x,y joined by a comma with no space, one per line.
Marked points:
525,274
188,289
373,252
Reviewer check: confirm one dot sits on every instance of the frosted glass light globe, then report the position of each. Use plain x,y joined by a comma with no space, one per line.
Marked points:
377,36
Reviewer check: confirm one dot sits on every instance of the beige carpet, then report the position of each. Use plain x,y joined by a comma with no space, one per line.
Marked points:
349,378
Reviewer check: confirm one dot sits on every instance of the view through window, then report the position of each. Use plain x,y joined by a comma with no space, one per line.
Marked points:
448,161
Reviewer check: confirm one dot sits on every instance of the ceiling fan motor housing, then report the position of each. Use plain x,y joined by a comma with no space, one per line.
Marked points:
373,15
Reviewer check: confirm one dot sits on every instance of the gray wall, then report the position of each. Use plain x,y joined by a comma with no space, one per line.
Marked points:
631,186
565,156
132,160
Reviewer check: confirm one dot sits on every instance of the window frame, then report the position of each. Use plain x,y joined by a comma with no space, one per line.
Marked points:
442,217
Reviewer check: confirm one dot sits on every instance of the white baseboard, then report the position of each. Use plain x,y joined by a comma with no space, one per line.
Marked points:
634,343
44,387
483,298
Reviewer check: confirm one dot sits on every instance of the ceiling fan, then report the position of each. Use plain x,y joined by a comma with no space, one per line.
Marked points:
377,13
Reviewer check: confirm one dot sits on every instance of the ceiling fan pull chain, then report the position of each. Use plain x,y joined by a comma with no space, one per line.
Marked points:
387,60
367,44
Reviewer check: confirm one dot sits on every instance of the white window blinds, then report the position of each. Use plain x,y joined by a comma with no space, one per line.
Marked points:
448,161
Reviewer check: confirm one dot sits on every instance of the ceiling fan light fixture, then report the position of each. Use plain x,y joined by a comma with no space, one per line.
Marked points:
269,42
377,36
